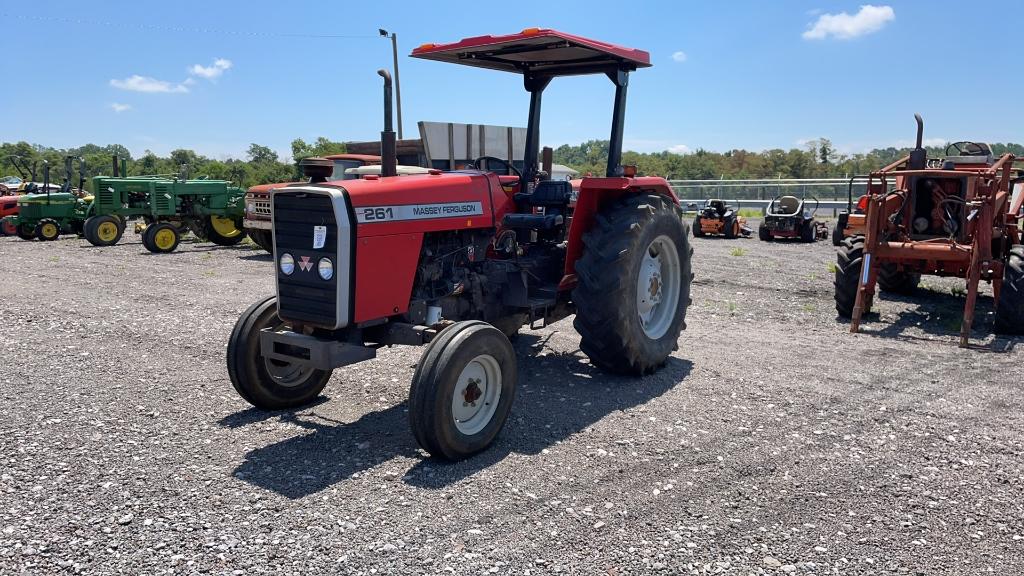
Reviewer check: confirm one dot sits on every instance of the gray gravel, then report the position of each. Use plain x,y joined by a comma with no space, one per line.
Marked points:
773,442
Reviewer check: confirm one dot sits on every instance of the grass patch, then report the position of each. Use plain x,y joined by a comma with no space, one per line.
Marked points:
810,308
206,256
737,251
209,273
732,307
832,268
958,291
54,258
751,212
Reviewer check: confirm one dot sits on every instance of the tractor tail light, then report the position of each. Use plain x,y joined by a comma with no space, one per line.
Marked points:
862,203
629,171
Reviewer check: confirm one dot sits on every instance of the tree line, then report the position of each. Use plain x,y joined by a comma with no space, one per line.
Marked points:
818,159
262,164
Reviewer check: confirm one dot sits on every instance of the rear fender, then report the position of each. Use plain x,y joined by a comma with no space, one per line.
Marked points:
594,195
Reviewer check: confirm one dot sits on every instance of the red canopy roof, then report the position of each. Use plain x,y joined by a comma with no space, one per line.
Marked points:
543,51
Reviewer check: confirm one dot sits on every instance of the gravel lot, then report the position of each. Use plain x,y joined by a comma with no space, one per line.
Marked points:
773,442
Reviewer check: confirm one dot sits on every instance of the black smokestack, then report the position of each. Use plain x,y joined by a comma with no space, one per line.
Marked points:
388,155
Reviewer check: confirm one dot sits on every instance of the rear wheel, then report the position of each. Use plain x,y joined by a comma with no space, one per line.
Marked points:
103,230
1010,308
262,238
264,383
697,230
891,279
462,391
224,231
47,229
764,233
633,285
808,232
849,263
837,235
161,238
8,228
731,227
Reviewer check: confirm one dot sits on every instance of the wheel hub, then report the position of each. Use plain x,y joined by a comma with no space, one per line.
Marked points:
658,284
476,394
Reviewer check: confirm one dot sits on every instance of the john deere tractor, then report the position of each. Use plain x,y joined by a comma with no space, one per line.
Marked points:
166,208
46,214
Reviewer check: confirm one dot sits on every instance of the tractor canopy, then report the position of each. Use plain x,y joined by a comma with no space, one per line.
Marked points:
539,51
540,54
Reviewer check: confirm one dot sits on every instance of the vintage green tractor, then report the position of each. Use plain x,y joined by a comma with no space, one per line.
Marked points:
166,207
46,215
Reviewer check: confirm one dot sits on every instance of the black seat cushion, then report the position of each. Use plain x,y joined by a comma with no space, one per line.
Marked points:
547,193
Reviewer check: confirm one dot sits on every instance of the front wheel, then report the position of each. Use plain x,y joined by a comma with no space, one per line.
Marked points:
1010,307
264,383
764,233
633,285
849,264
262,238
160,238
462,390
47,229
103,230
26,231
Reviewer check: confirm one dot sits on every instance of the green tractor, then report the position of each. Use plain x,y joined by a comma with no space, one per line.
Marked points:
46,215
166,207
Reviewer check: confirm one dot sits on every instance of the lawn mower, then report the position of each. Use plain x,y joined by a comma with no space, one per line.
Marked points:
460,261
789,217
949,216
167,207
45,214
718,218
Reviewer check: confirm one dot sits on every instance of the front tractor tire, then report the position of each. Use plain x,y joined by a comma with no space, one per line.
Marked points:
103,230
633,285
47,229
1010,307
264,383
161,237
462,391
224,231
849,264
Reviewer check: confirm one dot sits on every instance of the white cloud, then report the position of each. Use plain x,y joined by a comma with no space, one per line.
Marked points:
220,65
679,149
118,107
843,26
679,56
136,83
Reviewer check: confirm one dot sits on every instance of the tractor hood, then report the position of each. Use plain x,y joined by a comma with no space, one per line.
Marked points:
42,198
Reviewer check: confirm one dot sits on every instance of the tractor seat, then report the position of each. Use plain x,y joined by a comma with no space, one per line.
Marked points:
787,206
548,193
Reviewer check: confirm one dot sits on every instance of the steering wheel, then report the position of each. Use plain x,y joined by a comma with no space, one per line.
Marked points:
965,149
488,159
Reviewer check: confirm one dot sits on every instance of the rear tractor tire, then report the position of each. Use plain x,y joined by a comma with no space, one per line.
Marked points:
764,234
633,285
849,263
264,383
462,391
224,231
161,238
262,238
103,230
47,229
890,279
1010,308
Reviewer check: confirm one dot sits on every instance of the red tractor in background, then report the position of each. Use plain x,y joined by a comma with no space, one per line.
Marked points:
951,216
460,261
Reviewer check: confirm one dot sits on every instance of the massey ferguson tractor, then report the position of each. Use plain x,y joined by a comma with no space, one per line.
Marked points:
460,261
949,216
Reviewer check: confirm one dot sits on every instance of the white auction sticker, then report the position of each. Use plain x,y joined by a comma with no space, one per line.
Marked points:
319,237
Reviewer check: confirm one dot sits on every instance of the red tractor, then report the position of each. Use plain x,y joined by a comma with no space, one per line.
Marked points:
460,261
951,216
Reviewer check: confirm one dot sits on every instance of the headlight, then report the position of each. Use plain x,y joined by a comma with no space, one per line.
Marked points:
325,268
287,264
250,206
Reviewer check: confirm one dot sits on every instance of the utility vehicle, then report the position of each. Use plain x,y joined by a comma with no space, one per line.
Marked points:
789,217
460,261
948,216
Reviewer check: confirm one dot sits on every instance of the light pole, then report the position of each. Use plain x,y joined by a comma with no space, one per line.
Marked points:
398,85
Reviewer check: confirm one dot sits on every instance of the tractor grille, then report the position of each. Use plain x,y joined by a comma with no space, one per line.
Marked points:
303,296
162,200
105,197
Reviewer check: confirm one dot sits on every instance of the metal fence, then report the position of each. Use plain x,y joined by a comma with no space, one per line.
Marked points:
823,189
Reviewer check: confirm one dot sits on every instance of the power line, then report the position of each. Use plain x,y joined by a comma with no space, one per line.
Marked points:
182,29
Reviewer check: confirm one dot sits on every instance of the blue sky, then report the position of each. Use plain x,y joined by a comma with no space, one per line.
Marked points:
751,74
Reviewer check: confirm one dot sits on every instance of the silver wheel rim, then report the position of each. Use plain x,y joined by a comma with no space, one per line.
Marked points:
657,287
287,374
476,396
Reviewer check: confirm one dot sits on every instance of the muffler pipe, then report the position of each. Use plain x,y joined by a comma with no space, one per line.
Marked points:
918,156
920,130
388,153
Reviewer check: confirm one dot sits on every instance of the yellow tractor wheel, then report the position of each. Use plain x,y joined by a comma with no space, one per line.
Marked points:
103,230
47,229
224,231
161,238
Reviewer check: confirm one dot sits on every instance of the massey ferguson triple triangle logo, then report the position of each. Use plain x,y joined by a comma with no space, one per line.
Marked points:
304,264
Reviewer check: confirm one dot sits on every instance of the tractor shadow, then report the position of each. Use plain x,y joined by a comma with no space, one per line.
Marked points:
557,396
936,313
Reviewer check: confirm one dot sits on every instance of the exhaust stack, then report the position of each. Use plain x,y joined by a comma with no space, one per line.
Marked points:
919,156
388,153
